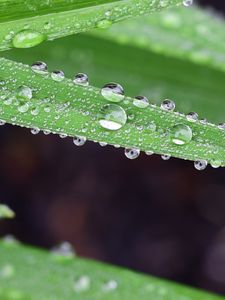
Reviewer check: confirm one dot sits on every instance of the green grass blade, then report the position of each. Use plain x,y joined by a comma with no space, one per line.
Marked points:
74,110
32,274
27,23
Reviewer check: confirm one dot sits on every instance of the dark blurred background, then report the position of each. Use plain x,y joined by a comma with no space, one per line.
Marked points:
162,218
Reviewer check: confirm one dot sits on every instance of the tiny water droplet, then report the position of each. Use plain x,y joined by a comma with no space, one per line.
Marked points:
27,38
200,164
192,117
39,67
113,92
34,111
141,102
82,284
62,135
81,79
7,271
57,75
23,107
112,117
181,134
149,153
132,153
165,157
103,144
46,132
79,140
168,105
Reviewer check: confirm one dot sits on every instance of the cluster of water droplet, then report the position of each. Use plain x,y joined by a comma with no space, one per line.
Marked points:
115,114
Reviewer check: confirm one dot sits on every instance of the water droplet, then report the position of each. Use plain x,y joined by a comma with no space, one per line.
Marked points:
103,144
35,130
24,93
132,153
82,284
79,140
23,107
215,164
9,240
57,75
39,67
81,79
200,164
63,252
181,134
34,111
27,38
113,92
187,3
2,122
149,153
6,212
62,135
165,157
192,117
141,102
46,132
168,105
103,24
221,126
112,117
110,286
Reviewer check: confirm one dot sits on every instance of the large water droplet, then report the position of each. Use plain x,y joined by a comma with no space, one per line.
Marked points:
200,164
27,38
132,153
39,67
181,134
112,117
141,102
113,92
79,140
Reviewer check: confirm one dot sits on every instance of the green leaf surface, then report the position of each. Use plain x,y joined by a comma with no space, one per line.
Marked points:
54,19
74,110
32,274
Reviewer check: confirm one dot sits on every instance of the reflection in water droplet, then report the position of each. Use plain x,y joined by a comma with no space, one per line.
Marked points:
81,79
192,117
168,105
165,157
39,67
57,75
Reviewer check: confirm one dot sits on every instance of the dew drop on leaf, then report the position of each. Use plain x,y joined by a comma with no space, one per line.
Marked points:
103,24
82,284
165,157
27,38
113,92
79,140
187,3
24,92
168,105
57,75
141,102
132,153
81,79
181,134
200,164
112,117
39,67
192,117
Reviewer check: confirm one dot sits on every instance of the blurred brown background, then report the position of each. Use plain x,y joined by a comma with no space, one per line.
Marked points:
162,218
